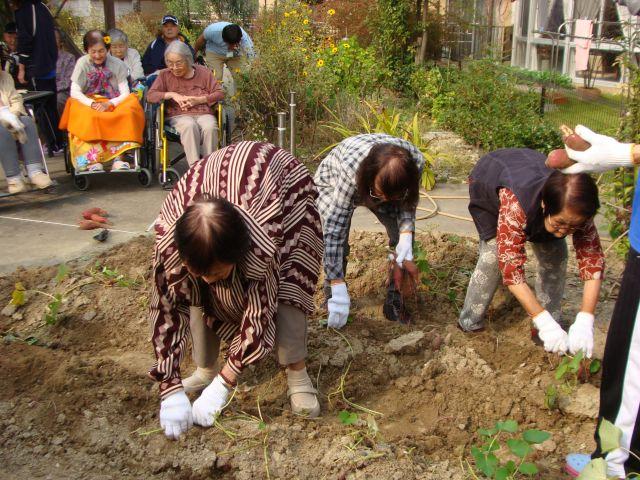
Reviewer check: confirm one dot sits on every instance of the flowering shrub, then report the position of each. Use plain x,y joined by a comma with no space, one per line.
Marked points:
298,54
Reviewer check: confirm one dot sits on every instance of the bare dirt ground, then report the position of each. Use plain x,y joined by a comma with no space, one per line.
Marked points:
76,402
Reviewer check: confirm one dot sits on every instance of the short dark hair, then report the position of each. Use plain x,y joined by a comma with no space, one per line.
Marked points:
394,170
232,34
11,27
94,37
211,231
578,193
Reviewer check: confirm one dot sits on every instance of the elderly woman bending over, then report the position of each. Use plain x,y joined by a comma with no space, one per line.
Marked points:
190,91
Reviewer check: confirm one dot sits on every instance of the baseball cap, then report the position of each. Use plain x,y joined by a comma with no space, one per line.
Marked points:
170,18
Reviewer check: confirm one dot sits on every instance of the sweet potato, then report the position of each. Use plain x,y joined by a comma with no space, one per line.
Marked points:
573,140
558,159
97,218
89,225
94,211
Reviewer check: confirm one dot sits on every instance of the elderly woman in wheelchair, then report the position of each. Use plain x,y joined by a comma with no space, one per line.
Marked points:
103,118
17,127
190,91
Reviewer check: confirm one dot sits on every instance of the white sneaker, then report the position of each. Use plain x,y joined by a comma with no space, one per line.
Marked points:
16,185
40,180
302,396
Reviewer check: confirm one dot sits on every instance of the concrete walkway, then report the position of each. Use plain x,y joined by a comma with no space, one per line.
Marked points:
25,240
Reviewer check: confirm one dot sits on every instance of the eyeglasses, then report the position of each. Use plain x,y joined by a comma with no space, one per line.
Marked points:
562,227
178,64
379,199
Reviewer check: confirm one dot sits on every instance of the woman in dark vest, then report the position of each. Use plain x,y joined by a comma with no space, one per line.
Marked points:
516,199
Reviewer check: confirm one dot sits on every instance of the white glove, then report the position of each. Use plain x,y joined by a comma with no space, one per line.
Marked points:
175,415
581,334
404,249
7,116
209,405
555,339
338,306
605,153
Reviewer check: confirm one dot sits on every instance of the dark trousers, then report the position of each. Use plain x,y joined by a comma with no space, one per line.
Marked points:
620,389
49,125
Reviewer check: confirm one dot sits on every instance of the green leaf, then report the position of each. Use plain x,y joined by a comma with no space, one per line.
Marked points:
487,432
574,364
528,468
510,426
595,366
535,436
596,469
562,370
347,417
491,446
31,340
610,436
501,474
262,425
63,270
518,447
511,467
17,296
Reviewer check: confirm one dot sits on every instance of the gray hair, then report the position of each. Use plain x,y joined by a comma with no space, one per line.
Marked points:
118,36
180,48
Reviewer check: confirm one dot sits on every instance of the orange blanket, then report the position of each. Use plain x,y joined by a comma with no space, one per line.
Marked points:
124,124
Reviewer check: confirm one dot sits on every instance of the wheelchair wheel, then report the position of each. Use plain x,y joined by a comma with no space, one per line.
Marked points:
172,179
144,177
81,182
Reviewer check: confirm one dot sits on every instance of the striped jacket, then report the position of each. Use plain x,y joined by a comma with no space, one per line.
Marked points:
275,195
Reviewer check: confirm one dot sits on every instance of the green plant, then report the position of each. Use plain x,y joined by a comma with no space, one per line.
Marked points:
381,120
439,280
570,371
486,455
392,34
111,277
485,104
610,437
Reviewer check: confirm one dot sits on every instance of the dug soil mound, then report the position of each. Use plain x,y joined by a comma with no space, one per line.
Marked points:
398,401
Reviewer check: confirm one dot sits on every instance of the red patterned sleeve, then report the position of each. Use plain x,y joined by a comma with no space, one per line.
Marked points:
510,238
589,253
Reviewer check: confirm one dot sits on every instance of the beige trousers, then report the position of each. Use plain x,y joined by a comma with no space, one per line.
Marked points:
216,64
196,130
291,337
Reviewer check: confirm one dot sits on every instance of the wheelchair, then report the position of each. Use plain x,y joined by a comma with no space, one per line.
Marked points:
159,134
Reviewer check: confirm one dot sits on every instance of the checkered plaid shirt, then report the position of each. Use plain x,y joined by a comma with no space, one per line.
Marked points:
336,182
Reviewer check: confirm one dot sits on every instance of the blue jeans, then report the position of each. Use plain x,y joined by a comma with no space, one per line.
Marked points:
9,147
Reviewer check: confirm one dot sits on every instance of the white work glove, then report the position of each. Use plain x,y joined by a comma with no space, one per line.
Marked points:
605,153
175,415
555,339
209,404
338,306
581,334
404,249
6,116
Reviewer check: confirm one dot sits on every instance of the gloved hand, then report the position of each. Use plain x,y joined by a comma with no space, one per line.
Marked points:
605,153
555,339
175,415
404,249
6,116
581,334
338,306
209,404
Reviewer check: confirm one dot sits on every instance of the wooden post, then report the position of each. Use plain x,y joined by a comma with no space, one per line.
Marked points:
109,14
